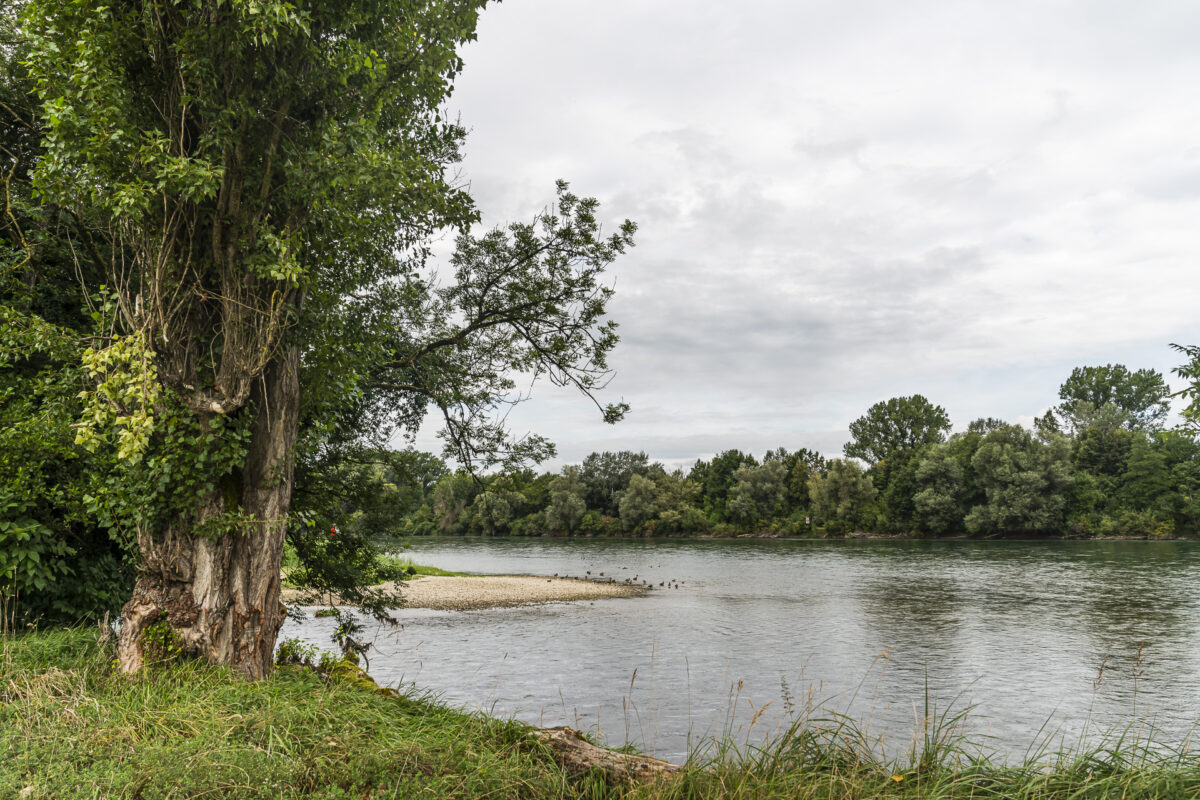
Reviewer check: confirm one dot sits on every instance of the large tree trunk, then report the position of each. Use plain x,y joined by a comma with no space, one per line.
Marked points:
221,594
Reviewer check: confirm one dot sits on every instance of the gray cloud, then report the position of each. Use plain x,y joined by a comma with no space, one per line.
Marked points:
840,203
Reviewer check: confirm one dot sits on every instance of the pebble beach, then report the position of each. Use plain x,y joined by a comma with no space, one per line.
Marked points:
490,591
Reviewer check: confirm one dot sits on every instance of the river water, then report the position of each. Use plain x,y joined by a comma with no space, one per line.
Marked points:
1037,641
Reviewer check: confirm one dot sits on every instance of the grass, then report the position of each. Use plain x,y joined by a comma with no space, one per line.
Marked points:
385,563
71,727
416,570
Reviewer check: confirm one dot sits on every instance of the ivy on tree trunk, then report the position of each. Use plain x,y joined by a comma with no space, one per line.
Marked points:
261,180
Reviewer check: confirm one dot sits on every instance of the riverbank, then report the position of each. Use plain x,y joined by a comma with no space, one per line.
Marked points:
465,593
71,727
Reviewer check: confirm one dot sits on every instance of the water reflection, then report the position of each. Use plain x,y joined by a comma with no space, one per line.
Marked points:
1020,629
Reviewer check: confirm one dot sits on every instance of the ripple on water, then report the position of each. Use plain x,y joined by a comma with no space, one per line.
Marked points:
1019,629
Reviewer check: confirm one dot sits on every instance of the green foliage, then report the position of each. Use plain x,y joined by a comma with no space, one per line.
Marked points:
897,426
758,493
527,299
566,503
1103,450
161,646
1025,483
1139,398
347,564
490,512
318,729
843,499
606,475
939,501
1190,372
898,476
715,479
800,466
58,564
451,499
122,402
639,504
32,558
184,458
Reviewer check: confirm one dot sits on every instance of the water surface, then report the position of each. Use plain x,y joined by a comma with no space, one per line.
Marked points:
1038,637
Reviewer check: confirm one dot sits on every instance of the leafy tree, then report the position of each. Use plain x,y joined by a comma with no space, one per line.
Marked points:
939,502
800,466
453,495
715,479
639,503
1145,481
606,476
1103,450
677,498
843,497
758,492
1190,372
57,564
414,474
267,177
897,426
1025,483
660,503
985,425
1140,397
491,511
898,477
566,505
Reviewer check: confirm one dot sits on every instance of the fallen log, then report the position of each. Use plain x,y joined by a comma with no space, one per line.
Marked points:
577,754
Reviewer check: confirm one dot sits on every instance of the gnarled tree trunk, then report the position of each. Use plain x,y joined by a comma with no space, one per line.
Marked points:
221,594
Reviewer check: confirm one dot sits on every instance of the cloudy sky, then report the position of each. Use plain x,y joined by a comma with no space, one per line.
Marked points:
842,202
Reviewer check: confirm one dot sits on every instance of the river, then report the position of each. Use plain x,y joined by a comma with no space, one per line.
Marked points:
1057,640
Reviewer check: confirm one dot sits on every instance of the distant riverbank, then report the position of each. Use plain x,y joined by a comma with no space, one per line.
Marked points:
817,537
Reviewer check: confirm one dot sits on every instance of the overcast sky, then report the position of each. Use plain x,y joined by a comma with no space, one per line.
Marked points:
842,202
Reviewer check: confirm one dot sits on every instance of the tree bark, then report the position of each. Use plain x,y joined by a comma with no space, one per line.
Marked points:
578,755
221,594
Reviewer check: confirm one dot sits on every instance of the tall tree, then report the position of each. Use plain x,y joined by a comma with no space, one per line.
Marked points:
269,175
566,504
758,492
606,476
1026,483
1140,397
938,503
716,479
895,427
843,497
800,466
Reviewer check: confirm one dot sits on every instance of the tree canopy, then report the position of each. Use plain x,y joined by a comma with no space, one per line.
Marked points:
1140,398
896,426
257,183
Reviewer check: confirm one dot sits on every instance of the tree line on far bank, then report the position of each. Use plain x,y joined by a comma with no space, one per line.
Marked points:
1100,463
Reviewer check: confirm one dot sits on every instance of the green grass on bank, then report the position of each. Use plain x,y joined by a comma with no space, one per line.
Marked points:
70,727
416,570
386,564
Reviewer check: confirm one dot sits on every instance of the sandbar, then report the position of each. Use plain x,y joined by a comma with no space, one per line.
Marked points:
445,593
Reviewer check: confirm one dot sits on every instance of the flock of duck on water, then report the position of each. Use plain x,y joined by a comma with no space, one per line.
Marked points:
634,581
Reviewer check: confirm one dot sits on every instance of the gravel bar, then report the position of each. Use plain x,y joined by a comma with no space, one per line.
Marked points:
492,591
